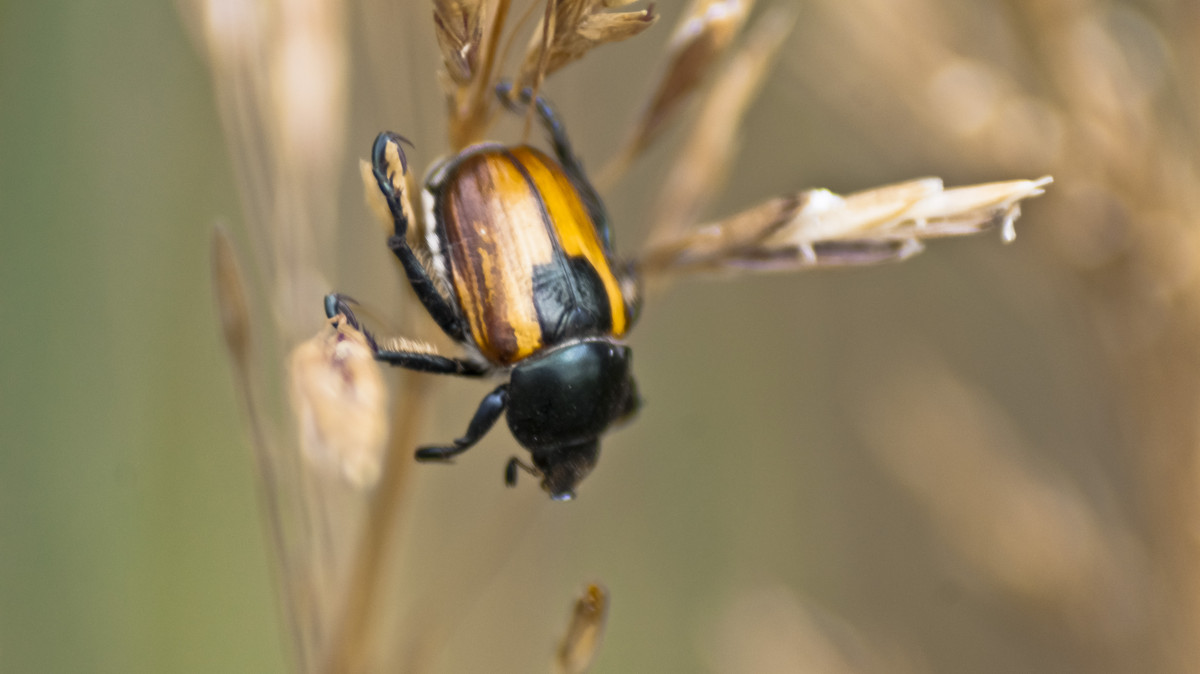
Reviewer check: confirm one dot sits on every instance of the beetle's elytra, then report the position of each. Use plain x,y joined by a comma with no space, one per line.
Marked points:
535,294
528,269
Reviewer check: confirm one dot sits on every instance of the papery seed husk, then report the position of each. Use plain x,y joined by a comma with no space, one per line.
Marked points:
340,402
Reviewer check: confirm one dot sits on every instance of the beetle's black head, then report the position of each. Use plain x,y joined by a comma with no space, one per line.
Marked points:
565,467
561,403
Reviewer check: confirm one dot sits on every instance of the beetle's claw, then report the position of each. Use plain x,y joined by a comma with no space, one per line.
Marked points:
337,303
383,162
520,102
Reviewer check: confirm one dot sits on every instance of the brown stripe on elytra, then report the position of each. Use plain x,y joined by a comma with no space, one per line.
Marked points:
494,238
467,207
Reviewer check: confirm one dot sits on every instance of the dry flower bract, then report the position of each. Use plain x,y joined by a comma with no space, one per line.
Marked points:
340,402
469,35
578,647
575,28
818,228
458,26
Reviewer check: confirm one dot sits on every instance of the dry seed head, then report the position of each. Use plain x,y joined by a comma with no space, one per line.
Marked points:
919,209
340,402
818,228
470,100
458,25
578,26
579,645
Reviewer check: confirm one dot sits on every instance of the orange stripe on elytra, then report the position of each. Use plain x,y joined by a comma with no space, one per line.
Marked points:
520,235
574,227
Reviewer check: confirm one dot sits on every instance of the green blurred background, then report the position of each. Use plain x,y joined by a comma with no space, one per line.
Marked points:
129,537
130,534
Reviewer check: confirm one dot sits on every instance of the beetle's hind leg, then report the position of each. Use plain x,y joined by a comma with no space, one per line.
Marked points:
546,114
409,359
564,153
549,120
485,417
389,166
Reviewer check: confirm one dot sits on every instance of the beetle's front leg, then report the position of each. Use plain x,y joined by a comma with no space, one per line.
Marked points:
562,149
337,303
548,118
390,168
485,417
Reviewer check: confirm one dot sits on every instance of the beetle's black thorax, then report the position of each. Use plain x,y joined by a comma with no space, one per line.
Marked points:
570,394
561,402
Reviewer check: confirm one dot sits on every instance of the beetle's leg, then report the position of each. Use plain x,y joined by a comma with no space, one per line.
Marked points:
337,303
549,119
412,360
390,169
431,363
510,471
489,411
566,156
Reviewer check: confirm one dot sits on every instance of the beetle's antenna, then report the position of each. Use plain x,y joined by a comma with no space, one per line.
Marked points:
510,471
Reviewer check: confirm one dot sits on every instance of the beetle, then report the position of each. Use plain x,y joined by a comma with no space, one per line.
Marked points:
523,275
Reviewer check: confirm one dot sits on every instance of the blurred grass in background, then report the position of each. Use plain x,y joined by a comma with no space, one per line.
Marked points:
982,460
129,538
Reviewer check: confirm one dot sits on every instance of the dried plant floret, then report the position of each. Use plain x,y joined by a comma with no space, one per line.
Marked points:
341,403
579,645
575,27
469,34
818,228
458,25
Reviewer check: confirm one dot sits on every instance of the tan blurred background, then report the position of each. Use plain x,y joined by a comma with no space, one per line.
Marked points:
981,460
